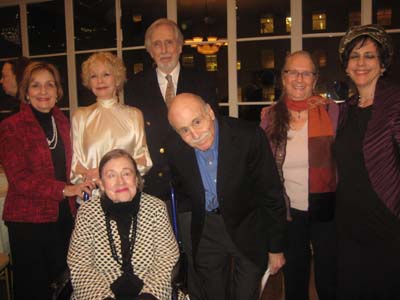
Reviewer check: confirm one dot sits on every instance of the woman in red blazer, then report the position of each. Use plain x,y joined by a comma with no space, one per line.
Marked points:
35,150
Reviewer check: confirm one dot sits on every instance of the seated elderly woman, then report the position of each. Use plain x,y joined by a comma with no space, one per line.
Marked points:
122,246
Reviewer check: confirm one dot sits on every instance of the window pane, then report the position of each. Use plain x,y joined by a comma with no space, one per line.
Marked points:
215,64
202,18
332,81
94,24
224,111
260,66
330,11
60,62
394,72
10,40
263,18
85,96
137,16
136,61
386,13
46,27
250,112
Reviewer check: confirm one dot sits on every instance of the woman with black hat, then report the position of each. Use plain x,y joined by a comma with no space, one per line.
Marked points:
368,160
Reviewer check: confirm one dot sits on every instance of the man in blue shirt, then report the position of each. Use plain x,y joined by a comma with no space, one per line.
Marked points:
226,170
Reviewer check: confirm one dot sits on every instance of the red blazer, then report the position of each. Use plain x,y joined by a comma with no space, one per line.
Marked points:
33,192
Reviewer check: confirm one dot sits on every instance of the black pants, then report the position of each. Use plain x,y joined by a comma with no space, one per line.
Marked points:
39,253
302,234
194,286
223,271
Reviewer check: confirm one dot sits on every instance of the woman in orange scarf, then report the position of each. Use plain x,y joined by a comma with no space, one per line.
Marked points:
301,129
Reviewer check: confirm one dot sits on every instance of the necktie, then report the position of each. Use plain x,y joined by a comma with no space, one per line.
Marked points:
170,92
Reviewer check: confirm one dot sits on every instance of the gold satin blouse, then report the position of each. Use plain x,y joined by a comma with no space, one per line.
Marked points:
104,126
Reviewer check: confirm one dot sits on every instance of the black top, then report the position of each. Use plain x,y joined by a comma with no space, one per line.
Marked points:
361,215
9,103
57,156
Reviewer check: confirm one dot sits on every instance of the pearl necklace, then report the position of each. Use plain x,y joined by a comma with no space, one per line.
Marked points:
52,143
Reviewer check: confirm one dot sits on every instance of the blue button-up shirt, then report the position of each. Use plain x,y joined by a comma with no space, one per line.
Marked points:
208,164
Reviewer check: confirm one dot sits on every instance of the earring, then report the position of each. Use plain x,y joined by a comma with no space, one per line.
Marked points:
27,98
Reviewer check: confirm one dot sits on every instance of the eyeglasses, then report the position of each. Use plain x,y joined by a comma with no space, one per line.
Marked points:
294,74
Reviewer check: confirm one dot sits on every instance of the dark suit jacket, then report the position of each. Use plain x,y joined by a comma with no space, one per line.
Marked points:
248,188
33,192
143,92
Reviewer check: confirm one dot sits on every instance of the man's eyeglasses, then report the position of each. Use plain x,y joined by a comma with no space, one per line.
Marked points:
294,74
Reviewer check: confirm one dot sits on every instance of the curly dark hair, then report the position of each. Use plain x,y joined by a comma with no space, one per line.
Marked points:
384,55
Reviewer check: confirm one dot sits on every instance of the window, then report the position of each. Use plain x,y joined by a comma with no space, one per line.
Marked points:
137,68
259,76
188,61
10,42
238,65
288,22
320,58
354,18
136,17
386,13
262,39
46,28
136,60
268,59
266,24
328,15
211,63
256,18
384,17
325,53
319,21
94,22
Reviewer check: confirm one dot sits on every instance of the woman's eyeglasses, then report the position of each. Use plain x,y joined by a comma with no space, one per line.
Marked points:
294,74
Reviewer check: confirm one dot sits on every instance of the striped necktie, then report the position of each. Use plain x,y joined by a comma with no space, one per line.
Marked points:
170,92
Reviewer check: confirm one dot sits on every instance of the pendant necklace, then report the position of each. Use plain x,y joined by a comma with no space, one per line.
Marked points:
364,101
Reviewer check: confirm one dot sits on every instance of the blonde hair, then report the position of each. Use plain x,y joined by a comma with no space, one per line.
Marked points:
115,64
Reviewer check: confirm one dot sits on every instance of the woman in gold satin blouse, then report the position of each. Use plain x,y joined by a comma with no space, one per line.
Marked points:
106,124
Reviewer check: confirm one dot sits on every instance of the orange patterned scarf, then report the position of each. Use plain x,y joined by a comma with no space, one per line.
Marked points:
322,171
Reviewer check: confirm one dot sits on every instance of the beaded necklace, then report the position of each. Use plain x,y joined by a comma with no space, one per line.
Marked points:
132,238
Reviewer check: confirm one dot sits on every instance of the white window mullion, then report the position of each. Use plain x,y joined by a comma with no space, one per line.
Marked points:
366,12
232,59
172,10
296,34
24,29
120,37
71,63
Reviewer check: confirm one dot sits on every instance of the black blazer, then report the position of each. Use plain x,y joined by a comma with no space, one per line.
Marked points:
143,92
248,187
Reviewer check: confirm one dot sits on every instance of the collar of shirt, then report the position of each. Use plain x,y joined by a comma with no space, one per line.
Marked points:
162,82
